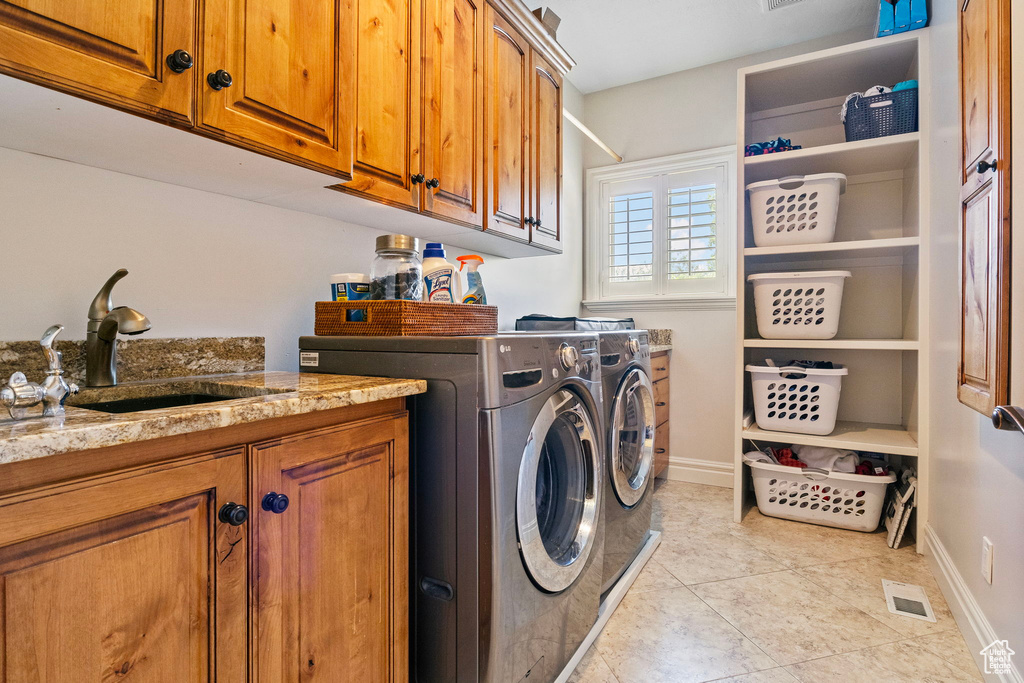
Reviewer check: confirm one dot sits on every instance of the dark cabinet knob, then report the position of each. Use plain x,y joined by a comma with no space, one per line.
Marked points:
233,514
179,61
529,221
661,404
985,166
418,178
219,79
537,222
659,451
433,183
275,502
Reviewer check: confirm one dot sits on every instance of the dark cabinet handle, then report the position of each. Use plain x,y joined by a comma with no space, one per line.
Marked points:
179,61
661,404
233,514
219,79
661,369
418,178
659,451
433,183
537,222
528,221
275,502
984,166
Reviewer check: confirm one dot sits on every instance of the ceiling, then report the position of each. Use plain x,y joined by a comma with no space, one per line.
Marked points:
615,42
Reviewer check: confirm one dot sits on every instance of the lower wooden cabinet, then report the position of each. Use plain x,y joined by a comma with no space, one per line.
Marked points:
659,373
153,573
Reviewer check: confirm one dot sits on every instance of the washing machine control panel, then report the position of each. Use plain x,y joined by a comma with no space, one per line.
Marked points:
531,361
569,356
633,346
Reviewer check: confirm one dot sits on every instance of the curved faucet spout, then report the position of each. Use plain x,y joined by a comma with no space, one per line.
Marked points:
101,304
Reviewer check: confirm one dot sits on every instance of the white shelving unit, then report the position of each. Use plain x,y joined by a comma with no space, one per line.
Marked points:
880,238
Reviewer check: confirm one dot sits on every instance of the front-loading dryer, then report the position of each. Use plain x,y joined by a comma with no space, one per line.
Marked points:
507,496
630,426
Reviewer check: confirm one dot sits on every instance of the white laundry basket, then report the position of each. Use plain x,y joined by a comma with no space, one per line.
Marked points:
796,209
847,501
795,399
798,305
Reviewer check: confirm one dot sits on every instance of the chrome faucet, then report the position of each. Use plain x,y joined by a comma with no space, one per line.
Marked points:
105,322
19,394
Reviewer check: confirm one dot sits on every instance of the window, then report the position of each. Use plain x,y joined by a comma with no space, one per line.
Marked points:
660,233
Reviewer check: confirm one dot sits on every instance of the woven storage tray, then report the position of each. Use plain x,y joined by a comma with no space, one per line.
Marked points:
405,319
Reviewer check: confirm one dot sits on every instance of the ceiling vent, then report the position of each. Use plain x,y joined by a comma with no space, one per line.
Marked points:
772,5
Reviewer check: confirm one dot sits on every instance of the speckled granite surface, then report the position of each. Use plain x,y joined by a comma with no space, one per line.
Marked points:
142,358
658,348
660,337
262,396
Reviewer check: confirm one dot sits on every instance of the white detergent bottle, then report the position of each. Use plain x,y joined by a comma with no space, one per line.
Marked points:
441,283
474,285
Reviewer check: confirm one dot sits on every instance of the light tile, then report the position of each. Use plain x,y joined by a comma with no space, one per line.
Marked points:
672,636
796,544
793,619
593,669
859,582
779,675
901,662
951,646
698,555
654,577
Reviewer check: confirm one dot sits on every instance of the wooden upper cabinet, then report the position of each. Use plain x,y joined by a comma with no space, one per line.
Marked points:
985,193
331,594
291,65
453,99
508,129
131,578
386,103
112,51
546,155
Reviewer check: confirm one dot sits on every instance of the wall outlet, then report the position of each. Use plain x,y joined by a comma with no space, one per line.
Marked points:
986,558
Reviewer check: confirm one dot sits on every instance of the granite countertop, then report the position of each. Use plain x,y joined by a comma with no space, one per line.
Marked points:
261,396
658,348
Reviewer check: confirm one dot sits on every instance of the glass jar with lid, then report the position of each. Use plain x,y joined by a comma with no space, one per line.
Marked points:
397,271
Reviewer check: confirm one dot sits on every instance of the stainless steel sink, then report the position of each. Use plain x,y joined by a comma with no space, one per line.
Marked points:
134,398
134,405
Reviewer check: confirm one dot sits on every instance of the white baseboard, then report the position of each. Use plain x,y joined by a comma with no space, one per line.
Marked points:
710,472
977,630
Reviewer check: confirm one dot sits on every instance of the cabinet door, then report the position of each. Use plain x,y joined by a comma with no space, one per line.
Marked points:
291,66
546,156
508,129
386,103
331,593
132,578
453,99
112,51
985,205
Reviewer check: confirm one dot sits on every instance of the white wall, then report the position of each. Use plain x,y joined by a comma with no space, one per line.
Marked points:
686,112
977,473
204,264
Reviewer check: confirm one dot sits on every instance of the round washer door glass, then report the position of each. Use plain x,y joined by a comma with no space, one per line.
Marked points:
632,437
558,492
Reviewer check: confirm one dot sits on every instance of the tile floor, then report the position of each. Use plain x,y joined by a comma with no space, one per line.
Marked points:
770,601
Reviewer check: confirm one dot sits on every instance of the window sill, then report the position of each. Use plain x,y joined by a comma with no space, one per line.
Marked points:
666,303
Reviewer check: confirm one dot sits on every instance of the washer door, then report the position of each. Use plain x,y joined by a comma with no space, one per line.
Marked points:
632,437
558,492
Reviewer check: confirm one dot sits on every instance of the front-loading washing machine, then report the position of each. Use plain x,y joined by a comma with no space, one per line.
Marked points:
630,426
507,496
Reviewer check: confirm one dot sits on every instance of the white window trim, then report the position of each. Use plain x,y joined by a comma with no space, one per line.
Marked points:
596,241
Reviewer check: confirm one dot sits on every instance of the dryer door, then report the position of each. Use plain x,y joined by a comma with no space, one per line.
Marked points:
558,494
632,437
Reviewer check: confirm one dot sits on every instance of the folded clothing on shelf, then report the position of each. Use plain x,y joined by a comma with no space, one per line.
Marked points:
770,147
831,459
822,458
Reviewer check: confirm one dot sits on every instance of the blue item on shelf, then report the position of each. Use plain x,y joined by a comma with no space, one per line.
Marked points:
771,147
902,16
905,85
886,18
918,14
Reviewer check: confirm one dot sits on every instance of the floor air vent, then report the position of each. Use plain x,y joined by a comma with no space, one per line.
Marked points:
772,5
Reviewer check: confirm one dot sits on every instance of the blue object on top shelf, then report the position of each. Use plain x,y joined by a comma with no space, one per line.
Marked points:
899,16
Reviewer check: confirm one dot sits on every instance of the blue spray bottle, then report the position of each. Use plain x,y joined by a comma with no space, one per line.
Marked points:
474,285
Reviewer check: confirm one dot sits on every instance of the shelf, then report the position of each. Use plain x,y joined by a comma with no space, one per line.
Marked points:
832,251
895,152
854,436
852,344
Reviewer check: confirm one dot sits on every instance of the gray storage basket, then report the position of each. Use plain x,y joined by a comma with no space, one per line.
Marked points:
891,113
